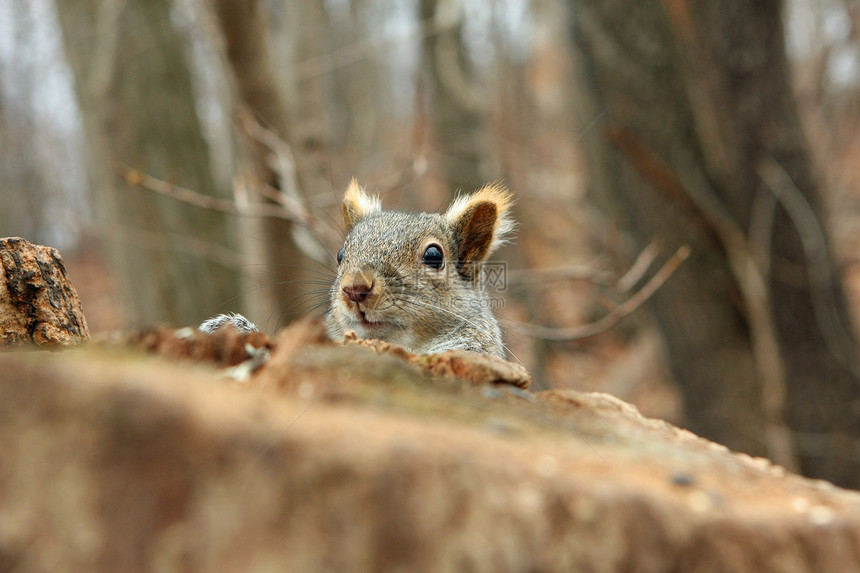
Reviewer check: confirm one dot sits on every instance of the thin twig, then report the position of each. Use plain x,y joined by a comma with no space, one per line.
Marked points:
311,235
640,266
590,272
813,241
154,240
135,177
616,315
562,273
690,188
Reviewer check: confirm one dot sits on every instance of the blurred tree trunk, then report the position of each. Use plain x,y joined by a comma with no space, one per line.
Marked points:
543,161
359,91
134,89
456,109
19,169
703,147
266,161
308,35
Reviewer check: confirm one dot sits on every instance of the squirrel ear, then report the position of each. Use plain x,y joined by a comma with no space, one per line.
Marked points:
358,204
481,222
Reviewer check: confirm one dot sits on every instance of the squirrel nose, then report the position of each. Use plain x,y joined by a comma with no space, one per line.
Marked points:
357,292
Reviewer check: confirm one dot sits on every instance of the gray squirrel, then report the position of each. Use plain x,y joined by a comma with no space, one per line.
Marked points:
414,279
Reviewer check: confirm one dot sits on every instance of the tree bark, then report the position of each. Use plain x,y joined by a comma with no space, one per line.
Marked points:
277,265
456,112
308,33
138,106
38,303
703,146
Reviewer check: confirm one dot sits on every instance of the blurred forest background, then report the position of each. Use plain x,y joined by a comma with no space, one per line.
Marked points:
188,158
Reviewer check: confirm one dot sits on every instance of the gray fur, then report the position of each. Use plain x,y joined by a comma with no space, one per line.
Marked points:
427,310
424,309
238,321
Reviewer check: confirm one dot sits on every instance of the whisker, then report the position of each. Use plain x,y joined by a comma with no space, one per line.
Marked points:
310,295
257,287
332,271
301,283
327,273
323,294
335,224
304,311
407,298
310,309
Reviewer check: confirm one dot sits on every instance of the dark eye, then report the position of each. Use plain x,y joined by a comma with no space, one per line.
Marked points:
433,257
339,256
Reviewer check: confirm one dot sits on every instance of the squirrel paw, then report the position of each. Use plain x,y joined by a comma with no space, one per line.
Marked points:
239,322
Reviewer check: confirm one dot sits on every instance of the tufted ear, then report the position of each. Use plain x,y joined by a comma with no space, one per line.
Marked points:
481,223
357,204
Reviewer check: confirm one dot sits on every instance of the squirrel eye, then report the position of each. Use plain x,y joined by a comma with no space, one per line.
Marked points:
433,257
339,256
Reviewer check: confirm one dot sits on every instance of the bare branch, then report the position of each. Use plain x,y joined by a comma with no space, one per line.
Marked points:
616,315
160,241
591,272
640,266
135,177
814,243
691,188
311,235
562,273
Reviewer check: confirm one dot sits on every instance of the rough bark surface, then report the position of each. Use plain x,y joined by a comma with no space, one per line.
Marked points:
38,304
703,146
353,460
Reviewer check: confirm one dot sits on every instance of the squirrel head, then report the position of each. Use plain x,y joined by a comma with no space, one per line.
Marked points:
411,277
